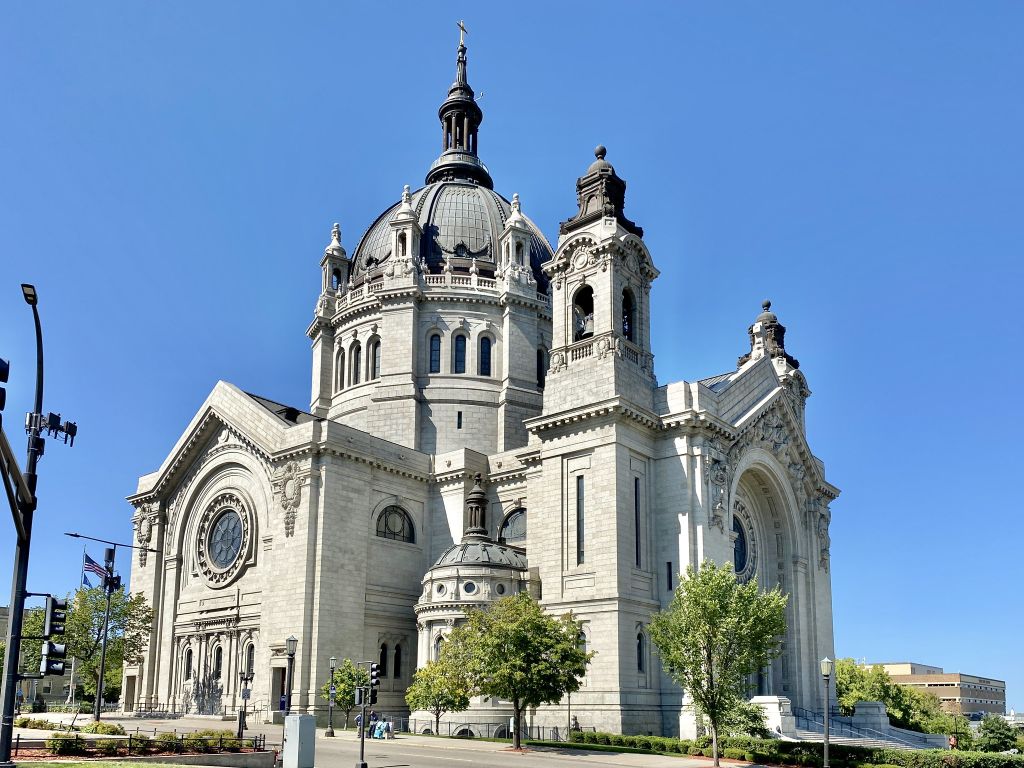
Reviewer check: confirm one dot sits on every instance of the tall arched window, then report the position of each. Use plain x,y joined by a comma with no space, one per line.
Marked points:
628,314
374,359
188,664
437,646
519,254
542,368
395,523
401,245
459,354
357,354
250,659
218,662
339,367
383,659
397,670
435,353
641,652
484,363
581,641
583,314
336,279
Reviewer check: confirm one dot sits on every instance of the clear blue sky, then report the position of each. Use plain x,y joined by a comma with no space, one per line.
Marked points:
170,174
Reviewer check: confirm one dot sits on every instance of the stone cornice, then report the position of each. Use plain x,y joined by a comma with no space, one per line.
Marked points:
612,407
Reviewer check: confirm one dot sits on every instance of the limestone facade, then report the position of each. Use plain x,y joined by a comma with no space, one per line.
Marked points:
456,342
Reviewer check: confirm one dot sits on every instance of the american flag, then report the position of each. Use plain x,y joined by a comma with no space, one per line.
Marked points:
91,566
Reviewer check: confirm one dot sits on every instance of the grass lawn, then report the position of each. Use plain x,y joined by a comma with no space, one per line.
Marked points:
94,763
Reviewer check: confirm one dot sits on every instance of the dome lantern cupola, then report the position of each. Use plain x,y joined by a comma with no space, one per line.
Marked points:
460,117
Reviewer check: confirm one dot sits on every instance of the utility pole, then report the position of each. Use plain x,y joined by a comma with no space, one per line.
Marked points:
111,584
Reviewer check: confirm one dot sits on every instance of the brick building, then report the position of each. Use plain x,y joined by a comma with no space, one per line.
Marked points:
958,693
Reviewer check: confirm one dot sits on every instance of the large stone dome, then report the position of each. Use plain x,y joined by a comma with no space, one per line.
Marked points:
461,221
483,552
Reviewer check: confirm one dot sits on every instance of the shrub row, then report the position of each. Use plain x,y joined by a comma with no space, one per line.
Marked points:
39,725
208,740
805,753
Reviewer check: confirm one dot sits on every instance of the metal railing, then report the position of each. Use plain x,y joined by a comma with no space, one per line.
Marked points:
810,720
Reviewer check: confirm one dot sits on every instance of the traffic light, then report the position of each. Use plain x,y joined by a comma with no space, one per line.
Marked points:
374,681
359,697
55,617
52,661
5,372
113,583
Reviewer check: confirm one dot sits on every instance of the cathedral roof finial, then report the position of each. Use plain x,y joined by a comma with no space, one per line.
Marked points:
460,117
334,247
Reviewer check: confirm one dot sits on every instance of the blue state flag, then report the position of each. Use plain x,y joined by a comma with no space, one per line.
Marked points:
85,582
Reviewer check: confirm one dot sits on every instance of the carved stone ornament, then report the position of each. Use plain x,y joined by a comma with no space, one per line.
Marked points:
223,539
144,531
716,475
824,540
288,487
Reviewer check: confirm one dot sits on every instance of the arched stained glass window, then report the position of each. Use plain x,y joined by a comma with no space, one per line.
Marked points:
218,662
459,355
484,364
188,664
435,353
398,661
383,660
375,359
641,652
395,523
514,527
356,353
250,659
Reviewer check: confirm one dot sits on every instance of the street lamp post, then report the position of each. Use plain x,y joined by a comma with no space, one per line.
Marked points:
245,676
826,672
21,553
291,644
331,690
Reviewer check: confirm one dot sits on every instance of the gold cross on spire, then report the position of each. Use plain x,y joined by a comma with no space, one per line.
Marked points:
462,32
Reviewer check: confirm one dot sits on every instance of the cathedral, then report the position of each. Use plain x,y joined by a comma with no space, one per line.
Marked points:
485,419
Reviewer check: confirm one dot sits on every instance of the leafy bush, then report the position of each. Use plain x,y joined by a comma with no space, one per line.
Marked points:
589,737
734,753
140,745
109,747
105,728
62,744
694,750
167,742
616,740
642,742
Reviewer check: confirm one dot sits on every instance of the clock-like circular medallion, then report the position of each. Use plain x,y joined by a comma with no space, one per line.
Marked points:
223,539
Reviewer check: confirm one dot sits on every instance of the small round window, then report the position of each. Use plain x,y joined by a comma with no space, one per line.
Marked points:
500,589
440,589
225,538
469,587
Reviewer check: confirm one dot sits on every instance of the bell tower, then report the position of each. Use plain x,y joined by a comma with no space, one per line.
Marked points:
601,279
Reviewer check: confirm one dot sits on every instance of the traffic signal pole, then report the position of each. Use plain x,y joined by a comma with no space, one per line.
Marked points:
21,553
107,584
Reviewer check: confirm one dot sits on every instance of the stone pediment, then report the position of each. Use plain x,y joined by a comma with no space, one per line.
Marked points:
225,422
775,428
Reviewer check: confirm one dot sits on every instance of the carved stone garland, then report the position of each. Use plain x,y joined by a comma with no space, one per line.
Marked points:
288,484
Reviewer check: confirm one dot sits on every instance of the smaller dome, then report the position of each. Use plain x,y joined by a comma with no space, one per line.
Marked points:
600,164
766,316
483,553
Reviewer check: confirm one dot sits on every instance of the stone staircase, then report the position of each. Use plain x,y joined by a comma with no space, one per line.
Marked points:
802,734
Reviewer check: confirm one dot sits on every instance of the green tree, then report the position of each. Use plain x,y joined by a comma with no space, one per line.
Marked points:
131,619
347,677
995,735
907,707
441,686
515,651
714,635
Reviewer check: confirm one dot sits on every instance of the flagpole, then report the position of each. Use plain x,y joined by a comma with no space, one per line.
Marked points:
81,581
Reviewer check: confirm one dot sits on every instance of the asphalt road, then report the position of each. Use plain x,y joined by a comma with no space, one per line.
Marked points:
409,751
